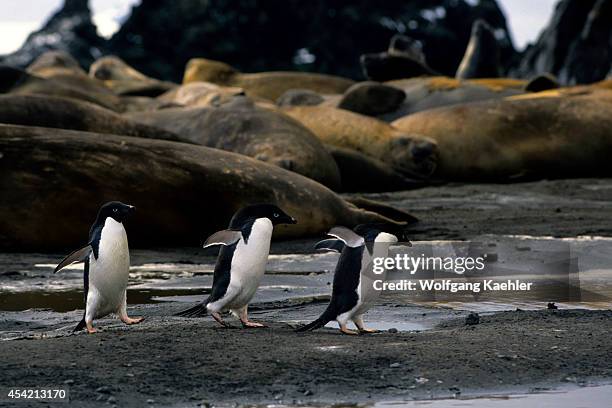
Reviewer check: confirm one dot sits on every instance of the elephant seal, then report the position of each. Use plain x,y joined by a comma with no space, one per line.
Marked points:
434,92
244,128
408,155
183,192
16,81
125,80
66,113
557,133
482,56
403,59
200,94
361,173
371,98
266,85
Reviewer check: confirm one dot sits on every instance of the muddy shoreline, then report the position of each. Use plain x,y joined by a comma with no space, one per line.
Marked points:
169,360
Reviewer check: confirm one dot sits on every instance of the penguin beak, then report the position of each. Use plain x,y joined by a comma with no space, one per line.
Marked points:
292,221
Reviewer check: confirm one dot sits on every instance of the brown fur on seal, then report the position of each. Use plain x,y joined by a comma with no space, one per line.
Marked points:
267,85
245,128
409,155
557,133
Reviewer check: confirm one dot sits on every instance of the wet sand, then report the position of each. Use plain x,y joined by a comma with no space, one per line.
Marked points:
181,362
171,360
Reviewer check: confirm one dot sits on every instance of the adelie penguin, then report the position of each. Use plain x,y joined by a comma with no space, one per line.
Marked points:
241,263
353,292
107,265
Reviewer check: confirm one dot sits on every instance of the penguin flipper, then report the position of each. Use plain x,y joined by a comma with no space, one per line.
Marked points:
347,236
198,310
225,237
80,255
332,244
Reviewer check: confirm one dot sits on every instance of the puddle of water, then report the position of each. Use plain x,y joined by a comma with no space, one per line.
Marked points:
65,301
591,397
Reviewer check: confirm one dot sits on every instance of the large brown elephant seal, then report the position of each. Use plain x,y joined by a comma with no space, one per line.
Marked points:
434,92
411,156
53,180
66,113
266,85
361,173
125,80
558,133
244,128
482,55
16,81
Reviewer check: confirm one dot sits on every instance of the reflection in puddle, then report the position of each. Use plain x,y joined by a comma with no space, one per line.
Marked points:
593,397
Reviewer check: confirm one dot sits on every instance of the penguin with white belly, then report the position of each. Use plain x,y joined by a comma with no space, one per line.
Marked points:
107,266
241,263
353,291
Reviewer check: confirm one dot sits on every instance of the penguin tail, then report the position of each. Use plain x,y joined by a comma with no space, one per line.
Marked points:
80,326
325,318
198,310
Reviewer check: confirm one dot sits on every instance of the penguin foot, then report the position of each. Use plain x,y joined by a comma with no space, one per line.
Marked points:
91,329
363,330
220,320
248,323
346,330
129,320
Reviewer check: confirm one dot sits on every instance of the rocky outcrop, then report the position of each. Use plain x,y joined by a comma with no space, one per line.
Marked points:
576,46
316,36
70,29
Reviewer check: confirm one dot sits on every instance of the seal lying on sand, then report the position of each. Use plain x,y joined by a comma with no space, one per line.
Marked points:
244,128
408,155
125,80
434,92
267,85
66,113
361,173
558,133
182,191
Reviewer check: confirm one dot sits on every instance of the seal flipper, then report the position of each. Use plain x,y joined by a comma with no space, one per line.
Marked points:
80,255
332,244
347,236
225,237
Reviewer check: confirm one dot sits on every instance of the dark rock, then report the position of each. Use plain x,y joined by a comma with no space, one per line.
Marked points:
552,306
472,319
315,36
70,29
576,46
481,59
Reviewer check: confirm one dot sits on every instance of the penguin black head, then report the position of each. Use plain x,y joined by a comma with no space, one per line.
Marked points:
270,211
370,232
116,210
